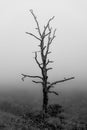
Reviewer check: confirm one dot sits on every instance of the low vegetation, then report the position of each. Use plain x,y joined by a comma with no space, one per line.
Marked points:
14,116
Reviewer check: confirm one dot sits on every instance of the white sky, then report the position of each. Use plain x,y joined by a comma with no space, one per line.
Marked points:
69,47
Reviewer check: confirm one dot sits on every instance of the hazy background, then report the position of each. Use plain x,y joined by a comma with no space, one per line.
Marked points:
69,49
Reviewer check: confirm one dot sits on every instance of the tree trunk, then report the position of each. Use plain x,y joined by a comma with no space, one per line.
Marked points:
45,100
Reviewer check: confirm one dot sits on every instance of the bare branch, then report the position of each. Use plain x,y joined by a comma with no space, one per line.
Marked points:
35,18
49,62
50,30
51,39
45,27
50,86
33,36
41,63
65,79
53,92
37,61
39,45
47,33
37,81
25,76
49,69
44,47
49,52
48,82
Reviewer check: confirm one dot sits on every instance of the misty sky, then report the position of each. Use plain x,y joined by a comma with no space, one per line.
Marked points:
69,49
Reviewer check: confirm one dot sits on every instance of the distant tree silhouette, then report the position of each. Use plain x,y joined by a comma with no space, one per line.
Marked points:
45,39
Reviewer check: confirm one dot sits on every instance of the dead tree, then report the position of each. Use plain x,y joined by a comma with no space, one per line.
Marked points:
45,40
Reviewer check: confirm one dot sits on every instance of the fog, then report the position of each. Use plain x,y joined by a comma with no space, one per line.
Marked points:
69,48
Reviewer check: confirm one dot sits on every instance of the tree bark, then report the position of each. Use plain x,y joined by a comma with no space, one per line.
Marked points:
45,100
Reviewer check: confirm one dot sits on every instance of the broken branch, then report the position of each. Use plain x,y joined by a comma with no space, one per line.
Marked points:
49,69
53,92
37,81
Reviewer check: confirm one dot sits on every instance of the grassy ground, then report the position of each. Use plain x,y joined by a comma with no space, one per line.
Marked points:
13,114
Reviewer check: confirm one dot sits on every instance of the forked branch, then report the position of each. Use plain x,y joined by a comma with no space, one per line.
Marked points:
45,27
49,62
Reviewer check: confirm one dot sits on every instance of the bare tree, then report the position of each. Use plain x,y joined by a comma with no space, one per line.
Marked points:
45,40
